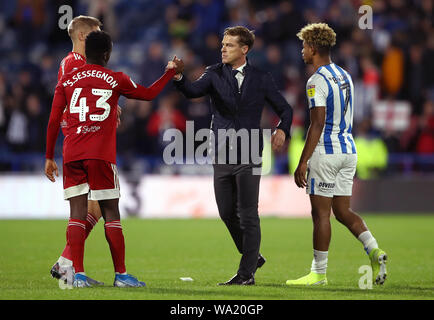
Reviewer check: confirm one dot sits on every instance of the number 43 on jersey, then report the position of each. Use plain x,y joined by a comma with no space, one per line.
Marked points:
82,109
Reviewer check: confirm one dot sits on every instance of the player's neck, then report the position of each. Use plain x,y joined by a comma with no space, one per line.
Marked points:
99,63
321,61
78,48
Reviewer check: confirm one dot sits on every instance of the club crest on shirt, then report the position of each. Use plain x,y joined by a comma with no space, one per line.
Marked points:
311,90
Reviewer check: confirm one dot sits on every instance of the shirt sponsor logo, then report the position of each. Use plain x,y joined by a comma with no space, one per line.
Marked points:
86,129
326,185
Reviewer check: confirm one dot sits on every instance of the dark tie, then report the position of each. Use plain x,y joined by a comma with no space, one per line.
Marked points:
234,80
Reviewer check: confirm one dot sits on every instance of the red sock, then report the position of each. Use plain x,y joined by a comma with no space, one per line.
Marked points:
76,235
115,239
90,223
67,251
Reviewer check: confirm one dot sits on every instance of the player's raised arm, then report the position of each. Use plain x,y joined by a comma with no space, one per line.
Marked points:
135,91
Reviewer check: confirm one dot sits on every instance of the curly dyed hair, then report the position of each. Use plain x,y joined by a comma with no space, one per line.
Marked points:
319,36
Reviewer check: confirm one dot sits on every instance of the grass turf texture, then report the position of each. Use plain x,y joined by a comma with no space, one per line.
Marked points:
159,252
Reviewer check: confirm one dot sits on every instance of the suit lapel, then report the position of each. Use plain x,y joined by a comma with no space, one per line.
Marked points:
247,81
230,79
231,82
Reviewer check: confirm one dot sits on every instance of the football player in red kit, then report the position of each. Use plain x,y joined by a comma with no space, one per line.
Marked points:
78,29
91,95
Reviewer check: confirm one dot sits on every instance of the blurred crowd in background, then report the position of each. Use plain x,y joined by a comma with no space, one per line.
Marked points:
392,66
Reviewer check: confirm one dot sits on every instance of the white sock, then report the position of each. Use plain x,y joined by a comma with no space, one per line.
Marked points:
368,241
121,273
319,262
63,262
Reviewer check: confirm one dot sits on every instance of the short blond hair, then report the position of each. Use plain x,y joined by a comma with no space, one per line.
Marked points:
84,23
318,35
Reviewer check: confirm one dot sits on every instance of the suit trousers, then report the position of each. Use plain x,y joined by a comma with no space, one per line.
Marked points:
237,193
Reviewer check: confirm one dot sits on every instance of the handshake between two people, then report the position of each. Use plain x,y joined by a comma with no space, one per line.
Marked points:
176,64
277,139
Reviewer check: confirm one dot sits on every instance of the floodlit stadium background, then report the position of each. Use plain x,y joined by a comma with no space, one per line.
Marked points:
392,66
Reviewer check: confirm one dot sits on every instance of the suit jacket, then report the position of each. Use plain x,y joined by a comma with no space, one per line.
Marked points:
234,108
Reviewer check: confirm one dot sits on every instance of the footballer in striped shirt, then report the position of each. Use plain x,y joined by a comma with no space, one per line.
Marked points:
328,162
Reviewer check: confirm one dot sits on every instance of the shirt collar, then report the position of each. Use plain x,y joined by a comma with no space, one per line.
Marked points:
240,68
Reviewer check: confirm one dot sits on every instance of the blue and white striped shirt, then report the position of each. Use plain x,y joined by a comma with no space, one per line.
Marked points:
332,87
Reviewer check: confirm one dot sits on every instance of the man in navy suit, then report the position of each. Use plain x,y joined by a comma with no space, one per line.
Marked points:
238,93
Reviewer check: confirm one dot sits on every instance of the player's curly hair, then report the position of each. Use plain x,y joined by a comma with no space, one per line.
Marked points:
319,36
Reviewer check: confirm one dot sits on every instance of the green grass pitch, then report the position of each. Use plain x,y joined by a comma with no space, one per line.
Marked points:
159,252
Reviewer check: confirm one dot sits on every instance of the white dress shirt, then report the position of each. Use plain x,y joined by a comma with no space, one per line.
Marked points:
240,75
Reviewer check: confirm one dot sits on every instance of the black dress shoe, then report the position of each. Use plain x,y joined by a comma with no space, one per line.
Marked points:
237,280
261,261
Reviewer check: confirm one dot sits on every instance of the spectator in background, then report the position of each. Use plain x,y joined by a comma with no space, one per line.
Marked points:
165,117
257,54
104,12
30,15
428,64
179,24
210,52
153,64
3,91
367,89
372,152
186,10
414,77
271,28
348,58
143,141
208,15
36,124
16,132
275,65
126,130
48,73
393,70
425,140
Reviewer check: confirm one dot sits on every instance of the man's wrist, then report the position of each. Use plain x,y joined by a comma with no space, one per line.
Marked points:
177,77
302,161
287,136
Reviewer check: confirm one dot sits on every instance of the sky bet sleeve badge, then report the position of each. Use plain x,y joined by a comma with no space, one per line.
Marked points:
311,91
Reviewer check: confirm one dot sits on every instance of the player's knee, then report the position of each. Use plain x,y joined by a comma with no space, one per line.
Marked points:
340,213
94,209
110,209
320,214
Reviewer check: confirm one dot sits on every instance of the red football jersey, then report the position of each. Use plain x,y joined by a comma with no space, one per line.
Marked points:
71,62
91,95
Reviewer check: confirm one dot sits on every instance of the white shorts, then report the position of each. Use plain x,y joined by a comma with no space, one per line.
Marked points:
331,175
